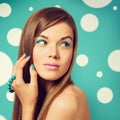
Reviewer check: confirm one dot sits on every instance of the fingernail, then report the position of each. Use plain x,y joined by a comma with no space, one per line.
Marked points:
23,54
28,56
32,66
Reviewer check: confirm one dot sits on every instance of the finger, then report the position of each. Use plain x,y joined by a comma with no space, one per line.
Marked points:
17,63
22,57
19,72
20,66
33,74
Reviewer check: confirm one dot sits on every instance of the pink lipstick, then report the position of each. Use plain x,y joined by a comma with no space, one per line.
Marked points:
51,66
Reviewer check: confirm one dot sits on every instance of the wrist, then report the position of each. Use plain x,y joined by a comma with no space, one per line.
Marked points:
28,112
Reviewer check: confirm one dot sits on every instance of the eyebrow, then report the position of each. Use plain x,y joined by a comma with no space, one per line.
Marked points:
63,38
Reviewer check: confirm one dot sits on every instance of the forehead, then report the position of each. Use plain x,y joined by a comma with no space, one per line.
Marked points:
58,30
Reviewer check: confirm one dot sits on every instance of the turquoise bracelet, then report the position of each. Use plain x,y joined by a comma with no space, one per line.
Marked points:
10,82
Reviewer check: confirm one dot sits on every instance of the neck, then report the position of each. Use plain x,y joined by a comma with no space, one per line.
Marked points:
49,86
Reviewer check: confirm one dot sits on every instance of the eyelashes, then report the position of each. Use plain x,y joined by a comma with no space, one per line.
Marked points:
41,42
63,43
66,44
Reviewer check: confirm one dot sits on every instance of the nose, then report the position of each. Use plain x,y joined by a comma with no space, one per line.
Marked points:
53,52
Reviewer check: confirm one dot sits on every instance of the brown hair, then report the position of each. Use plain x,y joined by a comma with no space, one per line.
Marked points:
38,22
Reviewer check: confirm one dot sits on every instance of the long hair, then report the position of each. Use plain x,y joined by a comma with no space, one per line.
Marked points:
38,22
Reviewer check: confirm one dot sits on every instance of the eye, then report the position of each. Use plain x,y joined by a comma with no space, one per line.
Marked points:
41,42
65,44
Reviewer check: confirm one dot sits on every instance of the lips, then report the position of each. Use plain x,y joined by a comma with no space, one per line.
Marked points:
51,66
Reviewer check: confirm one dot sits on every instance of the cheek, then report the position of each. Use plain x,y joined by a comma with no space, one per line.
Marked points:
36,56
67,59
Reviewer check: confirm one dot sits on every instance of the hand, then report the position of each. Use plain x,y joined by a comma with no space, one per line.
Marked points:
26,92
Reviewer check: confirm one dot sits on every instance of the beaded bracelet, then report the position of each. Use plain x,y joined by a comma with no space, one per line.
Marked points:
10,82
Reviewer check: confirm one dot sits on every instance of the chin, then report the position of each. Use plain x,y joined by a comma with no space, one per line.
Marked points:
50,78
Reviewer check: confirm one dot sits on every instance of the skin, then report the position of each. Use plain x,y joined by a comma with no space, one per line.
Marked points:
71,104
22,89
54,45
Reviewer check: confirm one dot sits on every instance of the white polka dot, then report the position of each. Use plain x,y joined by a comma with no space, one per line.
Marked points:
58,6
2,118
5,68
114,60
30,8
5,10
10,96
115,8
104,95
82,60
14,36
99,74
97,3
89,22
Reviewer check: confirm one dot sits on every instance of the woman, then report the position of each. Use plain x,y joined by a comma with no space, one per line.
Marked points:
42,83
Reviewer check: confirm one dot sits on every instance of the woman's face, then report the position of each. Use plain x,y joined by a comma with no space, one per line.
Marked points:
53,51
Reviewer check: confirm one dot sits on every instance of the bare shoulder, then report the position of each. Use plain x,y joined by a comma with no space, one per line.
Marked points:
71,104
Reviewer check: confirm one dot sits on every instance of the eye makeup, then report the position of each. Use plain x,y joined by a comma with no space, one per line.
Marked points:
66,43
40,41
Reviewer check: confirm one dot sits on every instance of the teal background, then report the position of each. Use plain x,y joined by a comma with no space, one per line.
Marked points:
96,45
